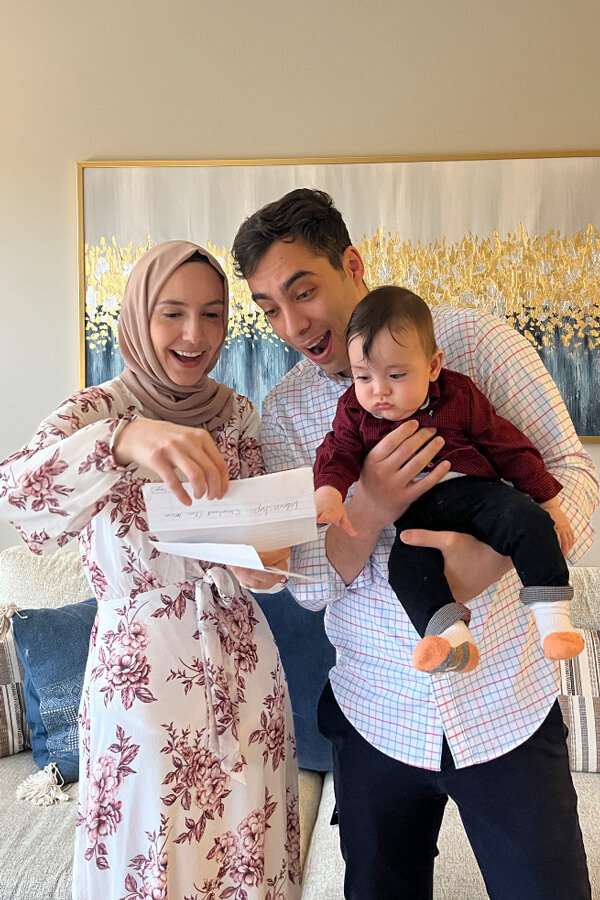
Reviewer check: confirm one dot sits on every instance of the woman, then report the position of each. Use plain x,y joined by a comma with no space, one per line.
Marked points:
188,773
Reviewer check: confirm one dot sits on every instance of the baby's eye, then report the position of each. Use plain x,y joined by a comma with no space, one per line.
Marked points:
362,377
397,375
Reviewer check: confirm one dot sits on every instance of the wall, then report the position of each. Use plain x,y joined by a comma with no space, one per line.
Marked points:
147,79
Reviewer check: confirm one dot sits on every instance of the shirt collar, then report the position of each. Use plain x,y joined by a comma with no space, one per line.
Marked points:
434,394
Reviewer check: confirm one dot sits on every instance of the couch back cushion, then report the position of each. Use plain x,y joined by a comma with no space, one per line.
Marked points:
53,648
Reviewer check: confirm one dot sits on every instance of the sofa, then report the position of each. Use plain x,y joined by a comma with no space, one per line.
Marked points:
36,840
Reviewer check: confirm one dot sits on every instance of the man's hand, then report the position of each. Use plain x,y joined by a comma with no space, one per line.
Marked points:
469,566
387,485
254,579
384,492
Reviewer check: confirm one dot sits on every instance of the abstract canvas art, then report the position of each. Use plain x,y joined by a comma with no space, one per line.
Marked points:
517,236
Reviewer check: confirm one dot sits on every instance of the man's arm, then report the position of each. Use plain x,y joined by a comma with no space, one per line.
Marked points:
288,442
384,491
507,368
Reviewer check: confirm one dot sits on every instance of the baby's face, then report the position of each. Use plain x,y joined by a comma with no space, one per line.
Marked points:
394,382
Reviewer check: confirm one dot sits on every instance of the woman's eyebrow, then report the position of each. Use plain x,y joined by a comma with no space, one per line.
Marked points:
165,300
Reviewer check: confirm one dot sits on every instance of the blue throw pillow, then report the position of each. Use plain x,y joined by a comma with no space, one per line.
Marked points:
53,647
307,656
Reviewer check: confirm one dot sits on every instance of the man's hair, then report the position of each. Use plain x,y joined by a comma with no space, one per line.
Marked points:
396,309
304,214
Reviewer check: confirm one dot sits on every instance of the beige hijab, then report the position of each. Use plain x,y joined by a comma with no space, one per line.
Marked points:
207,403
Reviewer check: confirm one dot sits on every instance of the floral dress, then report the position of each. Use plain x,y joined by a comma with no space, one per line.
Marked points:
188,782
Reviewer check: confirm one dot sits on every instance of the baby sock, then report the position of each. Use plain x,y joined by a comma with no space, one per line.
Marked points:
453,650
559,639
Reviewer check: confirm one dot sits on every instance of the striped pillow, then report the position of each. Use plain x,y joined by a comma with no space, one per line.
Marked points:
14,733
580,704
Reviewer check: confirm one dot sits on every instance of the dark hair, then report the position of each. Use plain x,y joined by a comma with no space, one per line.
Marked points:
395,308
304,214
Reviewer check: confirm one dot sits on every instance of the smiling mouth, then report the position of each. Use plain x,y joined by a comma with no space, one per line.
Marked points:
317,349
187,359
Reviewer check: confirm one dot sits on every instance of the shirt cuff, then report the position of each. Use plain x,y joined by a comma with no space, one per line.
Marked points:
122,423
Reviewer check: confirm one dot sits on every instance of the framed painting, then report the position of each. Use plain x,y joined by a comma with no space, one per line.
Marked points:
516,235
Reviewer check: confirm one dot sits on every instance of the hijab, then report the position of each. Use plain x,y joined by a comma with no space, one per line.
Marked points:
207,403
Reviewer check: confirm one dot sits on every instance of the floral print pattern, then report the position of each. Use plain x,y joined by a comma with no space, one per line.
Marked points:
240,855
163,814
123,663
104,813
272,720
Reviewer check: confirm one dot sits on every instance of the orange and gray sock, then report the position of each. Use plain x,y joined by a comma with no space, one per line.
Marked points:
448,645
551,607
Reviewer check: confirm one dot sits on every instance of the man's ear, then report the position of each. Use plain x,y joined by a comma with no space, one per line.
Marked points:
435,365
353,264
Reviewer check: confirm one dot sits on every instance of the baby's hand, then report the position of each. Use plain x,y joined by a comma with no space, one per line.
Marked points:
562,526
331,510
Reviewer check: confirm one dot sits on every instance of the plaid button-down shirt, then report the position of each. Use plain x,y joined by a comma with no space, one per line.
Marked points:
400,711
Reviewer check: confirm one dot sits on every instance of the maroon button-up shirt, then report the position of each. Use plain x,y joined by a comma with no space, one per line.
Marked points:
478,441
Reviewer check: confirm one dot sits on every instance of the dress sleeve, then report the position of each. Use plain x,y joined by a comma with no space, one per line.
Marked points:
52,487
508,369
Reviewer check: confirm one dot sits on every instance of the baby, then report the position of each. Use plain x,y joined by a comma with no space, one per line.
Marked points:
398,375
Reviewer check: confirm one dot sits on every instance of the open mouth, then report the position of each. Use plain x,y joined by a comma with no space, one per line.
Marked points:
317,350
189,360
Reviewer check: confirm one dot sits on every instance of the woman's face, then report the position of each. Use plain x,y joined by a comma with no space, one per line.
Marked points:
186,323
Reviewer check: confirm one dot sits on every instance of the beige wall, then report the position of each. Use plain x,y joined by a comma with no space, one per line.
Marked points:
144,79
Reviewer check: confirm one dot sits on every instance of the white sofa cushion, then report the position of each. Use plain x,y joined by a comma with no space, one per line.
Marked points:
35,581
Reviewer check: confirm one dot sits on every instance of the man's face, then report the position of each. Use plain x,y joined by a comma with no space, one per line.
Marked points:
308,302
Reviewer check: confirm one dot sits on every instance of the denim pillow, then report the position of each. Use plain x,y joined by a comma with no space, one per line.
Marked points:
307,656
53,647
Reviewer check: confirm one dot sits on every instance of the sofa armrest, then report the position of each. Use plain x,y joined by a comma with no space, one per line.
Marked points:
585,608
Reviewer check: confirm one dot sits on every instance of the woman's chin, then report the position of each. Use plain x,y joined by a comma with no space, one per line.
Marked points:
187,377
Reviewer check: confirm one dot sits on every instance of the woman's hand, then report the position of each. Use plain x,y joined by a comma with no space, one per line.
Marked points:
169,450
254,579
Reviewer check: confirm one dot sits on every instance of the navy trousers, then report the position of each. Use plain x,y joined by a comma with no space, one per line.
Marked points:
495,513
519,812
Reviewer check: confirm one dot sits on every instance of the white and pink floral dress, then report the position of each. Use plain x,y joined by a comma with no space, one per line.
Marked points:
188,782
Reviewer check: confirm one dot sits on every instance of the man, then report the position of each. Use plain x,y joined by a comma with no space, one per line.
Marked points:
404,741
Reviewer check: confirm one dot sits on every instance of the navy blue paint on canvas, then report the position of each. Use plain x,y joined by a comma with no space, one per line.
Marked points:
576,372
251,368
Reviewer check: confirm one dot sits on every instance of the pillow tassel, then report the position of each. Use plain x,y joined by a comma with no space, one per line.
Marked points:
43,788
7,611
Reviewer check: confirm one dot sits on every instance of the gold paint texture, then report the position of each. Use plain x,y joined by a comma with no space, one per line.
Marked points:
539,283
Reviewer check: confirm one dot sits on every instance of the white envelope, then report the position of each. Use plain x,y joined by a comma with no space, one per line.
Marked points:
256,514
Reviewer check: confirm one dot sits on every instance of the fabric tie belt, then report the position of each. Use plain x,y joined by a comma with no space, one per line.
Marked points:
217,588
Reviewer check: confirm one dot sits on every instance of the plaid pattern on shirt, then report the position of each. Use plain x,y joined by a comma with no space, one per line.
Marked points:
400,711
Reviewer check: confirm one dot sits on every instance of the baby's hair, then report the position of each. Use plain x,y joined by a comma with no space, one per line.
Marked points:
395,308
